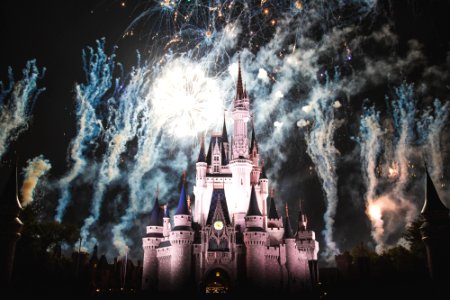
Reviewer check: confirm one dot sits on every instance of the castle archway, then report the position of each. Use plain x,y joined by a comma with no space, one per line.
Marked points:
217,281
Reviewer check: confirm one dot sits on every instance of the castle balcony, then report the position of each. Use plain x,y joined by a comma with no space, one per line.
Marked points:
240,161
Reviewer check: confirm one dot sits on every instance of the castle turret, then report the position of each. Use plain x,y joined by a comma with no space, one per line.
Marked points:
256,240
254,157
200,184
241,116
10,228
150,243
306,241
181,238
435,232
240,165
274,223
291,253
226,145
264,190
166,222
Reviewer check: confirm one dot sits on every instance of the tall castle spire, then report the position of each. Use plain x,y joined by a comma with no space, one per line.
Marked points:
239,85
202,155
182,208
224,131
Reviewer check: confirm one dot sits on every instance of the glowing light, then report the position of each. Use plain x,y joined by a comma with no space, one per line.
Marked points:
277,124
374,212
393,170
273,22
298,5
184,100
218,225
266,11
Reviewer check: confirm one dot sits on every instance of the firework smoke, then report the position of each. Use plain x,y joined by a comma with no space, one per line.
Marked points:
391,211
36,168
323,153
123,122
140,129
16,103
98,68
429,129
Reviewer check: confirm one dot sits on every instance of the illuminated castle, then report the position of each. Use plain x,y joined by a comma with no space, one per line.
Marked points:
230,240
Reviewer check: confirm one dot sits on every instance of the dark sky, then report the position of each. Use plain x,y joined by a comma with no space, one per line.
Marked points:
55,32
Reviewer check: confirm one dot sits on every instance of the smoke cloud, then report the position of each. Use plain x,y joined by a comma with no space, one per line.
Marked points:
16,103
35,169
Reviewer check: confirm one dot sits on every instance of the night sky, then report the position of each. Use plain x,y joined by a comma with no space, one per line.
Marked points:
376,46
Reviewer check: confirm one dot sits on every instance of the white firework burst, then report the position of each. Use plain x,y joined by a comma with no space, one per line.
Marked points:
185,100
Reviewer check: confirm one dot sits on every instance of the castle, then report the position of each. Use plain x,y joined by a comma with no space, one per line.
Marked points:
230,240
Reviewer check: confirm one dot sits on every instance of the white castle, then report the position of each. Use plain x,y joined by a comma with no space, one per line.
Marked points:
231,241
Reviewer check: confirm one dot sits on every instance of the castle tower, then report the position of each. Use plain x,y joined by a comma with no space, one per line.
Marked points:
181,238
200,182
306,241
254,157
150,243
240,164
291,253
274,223
226,145
264,190
435,232
166,222
10,228
241,116
255,240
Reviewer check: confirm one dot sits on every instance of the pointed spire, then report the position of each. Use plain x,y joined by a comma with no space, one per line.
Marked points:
432,200
219,209
239,86
224,131
253,208
166,212
155,214
209,154
182,208
287,226
302,218
224,158
201,155
263,171
273,213
254,144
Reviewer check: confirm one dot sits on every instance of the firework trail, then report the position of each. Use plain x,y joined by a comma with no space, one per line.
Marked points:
99,69
286,50
429,128
323,153
391,211
370,141
16,103
36,168
123,121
